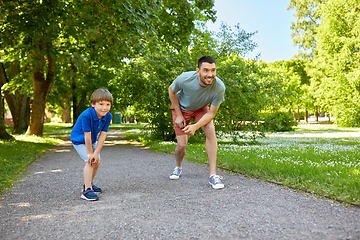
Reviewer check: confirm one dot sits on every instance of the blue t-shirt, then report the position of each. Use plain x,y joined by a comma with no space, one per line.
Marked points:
192,96
88,121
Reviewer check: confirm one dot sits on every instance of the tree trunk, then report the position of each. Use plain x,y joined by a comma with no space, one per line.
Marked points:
298,114
3,133
66,118
306,116
316,114
73,85
41,87
18,103
22,115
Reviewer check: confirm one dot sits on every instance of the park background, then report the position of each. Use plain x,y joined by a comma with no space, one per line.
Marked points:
54,54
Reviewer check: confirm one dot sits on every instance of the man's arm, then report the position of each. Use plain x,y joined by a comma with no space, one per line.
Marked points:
180,120
190,129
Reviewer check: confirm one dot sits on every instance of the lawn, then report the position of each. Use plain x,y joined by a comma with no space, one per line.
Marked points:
320,159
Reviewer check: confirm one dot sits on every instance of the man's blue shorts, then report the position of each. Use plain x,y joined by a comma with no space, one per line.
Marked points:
82,150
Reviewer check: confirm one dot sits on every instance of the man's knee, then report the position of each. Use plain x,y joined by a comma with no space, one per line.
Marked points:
209,129
182,142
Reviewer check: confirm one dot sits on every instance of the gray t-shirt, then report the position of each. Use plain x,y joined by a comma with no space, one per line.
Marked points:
192,96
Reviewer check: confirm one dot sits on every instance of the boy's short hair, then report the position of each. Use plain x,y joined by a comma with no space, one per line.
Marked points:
101,94
208,59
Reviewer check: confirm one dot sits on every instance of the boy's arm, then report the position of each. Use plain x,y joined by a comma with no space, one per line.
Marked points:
100,143
95,156
190,129
88,144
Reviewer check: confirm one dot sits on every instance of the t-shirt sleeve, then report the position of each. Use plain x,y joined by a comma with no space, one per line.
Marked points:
177,83
219,98
107,122
86,123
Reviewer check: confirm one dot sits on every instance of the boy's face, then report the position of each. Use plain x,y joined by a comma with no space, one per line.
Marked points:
101,108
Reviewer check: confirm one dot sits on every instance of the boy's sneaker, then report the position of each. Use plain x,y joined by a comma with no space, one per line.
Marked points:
176,173
89,195
215,182
94,188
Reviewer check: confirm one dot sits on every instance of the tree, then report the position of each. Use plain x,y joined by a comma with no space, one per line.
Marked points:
43,32
3,133
338,57
295,84
305,27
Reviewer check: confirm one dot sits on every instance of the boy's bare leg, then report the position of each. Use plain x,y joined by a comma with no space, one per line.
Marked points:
180,149
211,146
96,167
88,175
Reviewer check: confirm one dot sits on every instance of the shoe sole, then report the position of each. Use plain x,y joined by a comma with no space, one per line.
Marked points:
217,187
88,199
174,177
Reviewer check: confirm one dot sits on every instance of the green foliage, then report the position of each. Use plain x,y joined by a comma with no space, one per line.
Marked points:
305,27
279,122
89,40
249,90
334,71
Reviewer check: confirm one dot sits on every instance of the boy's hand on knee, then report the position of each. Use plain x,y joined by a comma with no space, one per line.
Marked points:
92,161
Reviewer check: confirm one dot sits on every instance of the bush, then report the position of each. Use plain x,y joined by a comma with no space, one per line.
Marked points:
279,122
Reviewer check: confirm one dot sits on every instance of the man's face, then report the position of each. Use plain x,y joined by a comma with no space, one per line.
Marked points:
207,73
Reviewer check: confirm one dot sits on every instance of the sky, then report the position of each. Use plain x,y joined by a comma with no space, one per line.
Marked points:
269,18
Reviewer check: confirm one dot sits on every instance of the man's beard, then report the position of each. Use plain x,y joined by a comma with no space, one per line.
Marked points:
203,80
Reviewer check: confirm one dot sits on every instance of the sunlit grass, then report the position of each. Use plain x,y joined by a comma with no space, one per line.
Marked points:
307,160
16,155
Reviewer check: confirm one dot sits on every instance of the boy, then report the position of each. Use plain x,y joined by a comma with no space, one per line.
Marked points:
88,137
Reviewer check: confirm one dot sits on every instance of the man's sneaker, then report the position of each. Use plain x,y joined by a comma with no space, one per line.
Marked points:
215,181
176,173
89,195
94,188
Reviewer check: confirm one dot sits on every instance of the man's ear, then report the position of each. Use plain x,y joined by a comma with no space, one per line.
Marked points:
197,70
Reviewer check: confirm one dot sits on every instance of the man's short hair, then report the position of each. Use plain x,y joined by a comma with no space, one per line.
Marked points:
101,94
208,59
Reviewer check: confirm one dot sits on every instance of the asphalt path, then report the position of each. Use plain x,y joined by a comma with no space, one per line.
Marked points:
140,202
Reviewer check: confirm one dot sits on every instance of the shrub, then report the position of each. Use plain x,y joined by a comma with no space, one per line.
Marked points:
279,122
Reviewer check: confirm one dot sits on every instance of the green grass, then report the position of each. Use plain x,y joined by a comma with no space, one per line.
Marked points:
16,155
320,159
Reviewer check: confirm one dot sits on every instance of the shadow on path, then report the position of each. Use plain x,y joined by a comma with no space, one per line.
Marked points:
140,202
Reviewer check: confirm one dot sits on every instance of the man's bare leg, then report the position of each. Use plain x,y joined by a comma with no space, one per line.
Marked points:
180,149
211,146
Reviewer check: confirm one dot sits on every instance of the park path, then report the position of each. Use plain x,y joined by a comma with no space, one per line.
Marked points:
140,202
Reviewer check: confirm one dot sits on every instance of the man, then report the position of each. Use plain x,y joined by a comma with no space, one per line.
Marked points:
190,94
